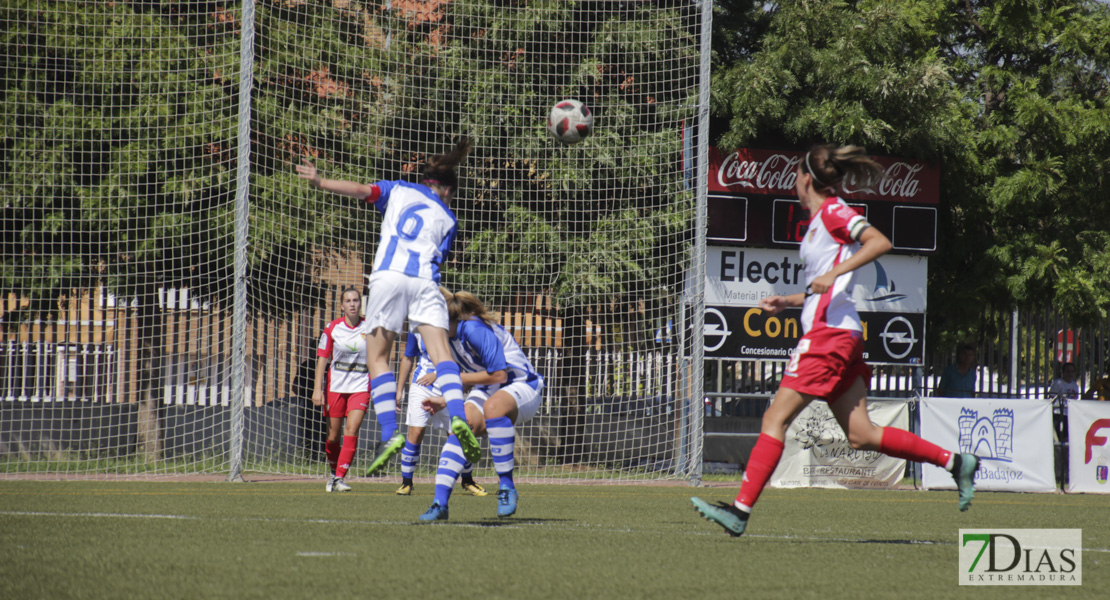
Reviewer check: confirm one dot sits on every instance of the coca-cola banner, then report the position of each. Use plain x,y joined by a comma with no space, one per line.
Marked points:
773,173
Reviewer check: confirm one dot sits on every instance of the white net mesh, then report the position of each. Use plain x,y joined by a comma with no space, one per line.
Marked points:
120,120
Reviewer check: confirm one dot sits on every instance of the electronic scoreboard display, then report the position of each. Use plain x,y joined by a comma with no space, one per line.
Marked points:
752,200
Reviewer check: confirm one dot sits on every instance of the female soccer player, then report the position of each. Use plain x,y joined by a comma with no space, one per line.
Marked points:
422,387
418,228
509,393
828,362
348,390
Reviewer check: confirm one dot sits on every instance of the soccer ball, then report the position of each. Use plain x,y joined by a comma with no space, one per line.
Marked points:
570,121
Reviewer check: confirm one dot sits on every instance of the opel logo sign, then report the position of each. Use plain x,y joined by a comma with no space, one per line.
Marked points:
715,327
898,337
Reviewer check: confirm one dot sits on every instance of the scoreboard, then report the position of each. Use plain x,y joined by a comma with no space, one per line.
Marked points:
752,200
755,219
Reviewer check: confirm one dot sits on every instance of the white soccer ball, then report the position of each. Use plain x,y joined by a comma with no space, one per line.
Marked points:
570,121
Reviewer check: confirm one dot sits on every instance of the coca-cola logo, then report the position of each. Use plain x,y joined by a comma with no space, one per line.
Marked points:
768,172
777,172
899,181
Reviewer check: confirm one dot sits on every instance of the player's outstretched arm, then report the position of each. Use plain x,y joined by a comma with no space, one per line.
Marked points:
343,187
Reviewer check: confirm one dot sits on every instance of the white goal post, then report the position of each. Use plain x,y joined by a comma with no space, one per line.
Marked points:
166,274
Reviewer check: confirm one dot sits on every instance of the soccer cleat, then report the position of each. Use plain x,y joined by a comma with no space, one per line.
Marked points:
964,474
341,486
405,489
506,502
435,513
728,516
330,485
471,487
392,446
472,450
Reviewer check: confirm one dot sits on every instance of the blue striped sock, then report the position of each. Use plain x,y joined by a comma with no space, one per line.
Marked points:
447,376
410,456
502,437
383,394
450,462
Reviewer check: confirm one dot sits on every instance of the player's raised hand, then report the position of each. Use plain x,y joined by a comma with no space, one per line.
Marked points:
308,171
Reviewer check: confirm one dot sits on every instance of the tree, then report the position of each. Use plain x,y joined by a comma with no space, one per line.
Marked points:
1008,98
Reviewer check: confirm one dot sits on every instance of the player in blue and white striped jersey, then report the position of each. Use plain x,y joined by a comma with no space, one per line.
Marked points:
506,384
417,230
421,386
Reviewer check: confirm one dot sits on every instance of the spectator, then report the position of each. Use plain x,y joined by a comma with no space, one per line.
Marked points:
1063,388
958,380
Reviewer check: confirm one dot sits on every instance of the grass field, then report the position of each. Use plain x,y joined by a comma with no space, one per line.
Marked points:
95,539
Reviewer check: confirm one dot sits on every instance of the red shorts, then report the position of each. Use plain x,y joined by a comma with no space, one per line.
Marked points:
826,363
339,405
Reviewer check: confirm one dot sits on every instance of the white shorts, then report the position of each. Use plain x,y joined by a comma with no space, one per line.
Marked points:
528,398
393,296
418,417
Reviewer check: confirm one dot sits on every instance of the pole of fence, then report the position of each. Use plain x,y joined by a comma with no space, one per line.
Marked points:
1014,352
242,202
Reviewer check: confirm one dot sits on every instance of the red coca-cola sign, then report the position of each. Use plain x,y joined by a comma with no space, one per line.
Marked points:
773,173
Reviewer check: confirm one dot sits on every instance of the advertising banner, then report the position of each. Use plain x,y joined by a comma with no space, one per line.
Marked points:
1088,446
749,333
817,453
989,428
744,276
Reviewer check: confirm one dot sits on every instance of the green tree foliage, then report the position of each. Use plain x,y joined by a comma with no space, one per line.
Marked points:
119,126
368,93
1008,98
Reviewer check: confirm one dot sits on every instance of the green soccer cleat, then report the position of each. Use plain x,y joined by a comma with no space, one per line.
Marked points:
728,516
472,450
392,446
964,474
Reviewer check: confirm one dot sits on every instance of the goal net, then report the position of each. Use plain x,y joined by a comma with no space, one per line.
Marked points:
167,275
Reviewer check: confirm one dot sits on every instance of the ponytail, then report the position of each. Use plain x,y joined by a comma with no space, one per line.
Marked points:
830,166
440,168
463,305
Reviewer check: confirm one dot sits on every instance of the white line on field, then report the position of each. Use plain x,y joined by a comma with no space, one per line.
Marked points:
325,554
520,524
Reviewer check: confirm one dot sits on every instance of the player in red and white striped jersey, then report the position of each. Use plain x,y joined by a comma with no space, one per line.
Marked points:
348,391
828,361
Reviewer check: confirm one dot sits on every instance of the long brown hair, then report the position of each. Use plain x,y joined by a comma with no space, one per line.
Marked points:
463,305
441,167
830,166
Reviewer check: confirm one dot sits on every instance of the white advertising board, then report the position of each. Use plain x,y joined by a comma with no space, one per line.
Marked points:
817,453
743,276
1012,438
1088,446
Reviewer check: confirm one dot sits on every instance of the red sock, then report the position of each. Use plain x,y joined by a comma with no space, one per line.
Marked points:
331,450
900,443
761,464
350,444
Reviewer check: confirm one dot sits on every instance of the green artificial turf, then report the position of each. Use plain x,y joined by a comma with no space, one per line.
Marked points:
85,539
